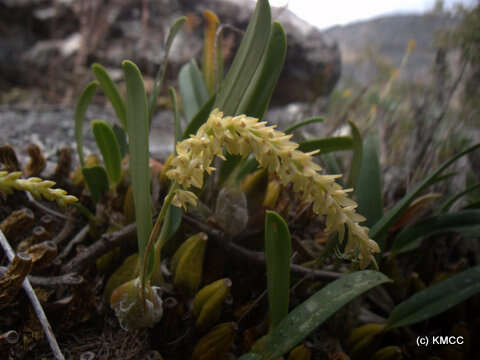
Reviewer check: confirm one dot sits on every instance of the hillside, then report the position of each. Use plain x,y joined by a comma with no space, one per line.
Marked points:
385,40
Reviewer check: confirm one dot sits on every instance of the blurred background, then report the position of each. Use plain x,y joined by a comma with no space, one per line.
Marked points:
407,69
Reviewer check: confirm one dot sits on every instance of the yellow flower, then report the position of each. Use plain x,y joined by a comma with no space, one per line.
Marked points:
242,135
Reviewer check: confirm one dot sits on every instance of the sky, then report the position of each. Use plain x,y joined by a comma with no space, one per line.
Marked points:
324,14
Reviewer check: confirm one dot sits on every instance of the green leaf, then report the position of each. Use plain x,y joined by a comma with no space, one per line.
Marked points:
436,299
83,101
192,89
121,139
97,181
332,166
472,205
388,219
176,118
369,183
297,126
248,167
108,145
257,96
173,219
450,201
228,167
459,222
278,250
327,145
138,129
319,307
112,93
246,61
174,29
357,155
199,119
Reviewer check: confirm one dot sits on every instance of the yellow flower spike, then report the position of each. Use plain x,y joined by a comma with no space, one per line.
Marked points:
37,187
242,135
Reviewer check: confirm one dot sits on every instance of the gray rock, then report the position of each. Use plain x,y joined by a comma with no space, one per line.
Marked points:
312,66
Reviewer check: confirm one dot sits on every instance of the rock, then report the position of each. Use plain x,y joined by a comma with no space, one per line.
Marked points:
384,40
125,30
312,66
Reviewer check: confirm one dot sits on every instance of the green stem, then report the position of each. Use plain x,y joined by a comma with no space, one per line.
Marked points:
159,223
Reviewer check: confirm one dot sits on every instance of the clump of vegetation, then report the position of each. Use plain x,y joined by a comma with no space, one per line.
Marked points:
267,203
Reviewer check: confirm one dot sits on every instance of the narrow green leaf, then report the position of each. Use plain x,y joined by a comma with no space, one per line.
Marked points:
332,166
228,167
436,299
192,89
248,167
199,119
327,145
246,61
319,307
278,250
121,139
357,155
472,205
108,145
112,93
174,29
369,183
257,96
459,222
176,118
83,101
138,129
297,126
450,201
174,219
387,220
83,210
97,181
443,177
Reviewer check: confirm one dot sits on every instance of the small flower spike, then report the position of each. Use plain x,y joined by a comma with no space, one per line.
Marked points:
36,186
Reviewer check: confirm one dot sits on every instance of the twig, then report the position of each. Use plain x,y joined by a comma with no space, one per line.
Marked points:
35,303
256,256
52,281
76,240
100,247
110,240
65,232
45,208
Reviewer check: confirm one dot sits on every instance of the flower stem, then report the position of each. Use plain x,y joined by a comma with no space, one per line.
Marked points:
159,224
